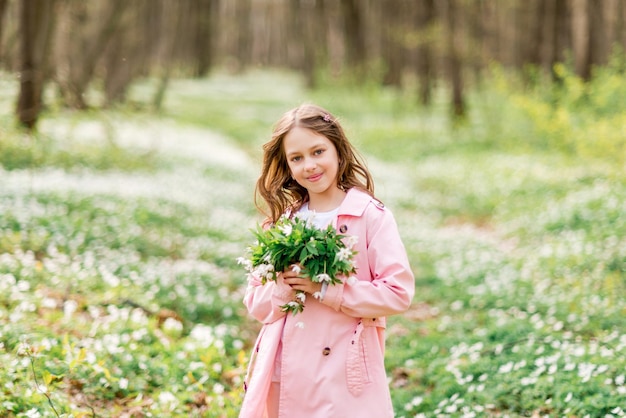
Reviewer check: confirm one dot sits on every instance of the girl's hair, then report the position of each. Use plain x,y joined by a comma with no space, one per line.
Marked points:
276,186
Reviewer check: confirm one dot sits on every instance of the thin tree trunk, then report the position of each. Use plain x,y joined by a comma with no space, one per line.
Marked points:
425,64
354,36
3,8
169,45
393,49
35,22
83,60
454,61
580,31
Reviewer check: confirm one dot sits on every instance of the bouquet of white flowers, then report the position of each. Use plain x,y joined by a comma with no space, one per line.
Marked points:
294,242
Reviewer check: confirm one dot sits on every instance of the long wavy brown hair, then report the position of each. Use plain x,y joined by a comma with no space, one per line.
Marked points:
278,189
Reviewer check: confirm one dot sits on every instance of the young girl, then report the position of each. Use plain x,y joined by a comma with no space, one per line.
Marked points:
328,360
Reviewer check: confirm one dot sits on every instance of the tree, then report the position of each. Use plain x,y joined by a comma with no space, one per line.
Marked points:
87,29
3,9
454,62
354,36
35,26
425,56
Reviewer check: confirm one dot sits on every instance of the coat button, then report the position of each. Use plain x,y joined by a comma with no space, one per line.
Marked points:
343,229
326,351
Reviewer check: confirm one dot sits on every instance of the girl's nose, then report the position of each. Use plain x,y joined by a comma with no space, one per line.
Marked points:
310,164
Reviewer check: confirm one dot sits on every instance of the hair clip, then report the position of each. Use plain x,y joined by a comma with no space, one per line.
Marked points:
326,117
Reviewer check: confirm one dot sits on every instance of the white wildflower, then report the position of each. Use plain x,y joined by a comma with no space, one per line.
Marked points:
246,263
69,307
321,278
301,296
352,280
172,325
344,254
352,241
286,229
296,268
317,295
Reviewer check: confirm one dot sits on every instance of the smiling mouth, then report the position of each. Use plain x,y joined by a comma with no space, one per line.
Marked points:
314,177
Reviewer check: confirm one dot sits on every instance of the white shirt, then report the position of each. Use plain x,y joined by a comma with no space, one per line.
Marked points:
320,219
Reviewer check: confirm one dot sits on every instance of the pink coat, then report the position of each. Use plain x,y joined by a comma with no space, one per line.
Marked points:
333,351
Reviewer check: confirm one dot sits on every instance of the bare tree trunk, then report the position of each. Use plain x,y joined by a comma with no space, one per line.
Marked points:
305,26
3,8
203,36
243,9
425,60
354,36
35,23
124,55
393,48
168,50
580,31
455,70
598,42
80,59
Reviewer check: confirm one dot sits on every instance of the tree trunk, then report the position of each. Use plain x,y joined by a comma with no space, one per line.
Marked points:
82,52
35,23
580,31
3,8
173,25
424,53
393,41
454,60
203,36
354,36
243,10
598,42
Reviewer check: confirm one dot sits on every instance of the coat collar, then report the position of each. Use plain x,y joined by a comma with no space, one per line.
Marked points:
355,202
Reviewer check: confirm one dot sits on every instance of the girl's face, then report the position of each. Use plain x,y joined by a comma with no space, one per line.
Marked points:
313,162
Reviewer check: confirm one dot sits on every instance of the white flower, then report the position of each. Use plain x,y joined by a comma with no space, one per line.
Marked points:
246,263
321,278
172,325
300,325
123,383
296,268
344,254
352,280
33,413
352,241
317,295
286,229
301,296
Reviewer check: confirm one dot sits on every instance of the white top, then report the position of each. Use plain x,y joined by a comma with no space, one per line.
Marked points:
319,219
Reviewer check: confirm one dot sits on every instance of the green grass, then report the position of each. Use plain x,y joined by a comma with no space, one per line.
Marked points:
119,231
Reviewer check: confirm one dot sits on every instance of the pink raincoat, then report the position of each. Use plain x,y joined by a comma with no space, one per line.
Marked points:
333,351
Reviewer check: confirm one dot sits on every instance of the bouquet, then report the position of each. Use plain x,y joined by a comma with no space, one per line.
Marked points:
295,243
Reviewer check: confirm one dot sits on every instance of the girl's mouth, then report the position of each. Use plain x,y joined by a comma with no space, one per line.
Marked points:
314,177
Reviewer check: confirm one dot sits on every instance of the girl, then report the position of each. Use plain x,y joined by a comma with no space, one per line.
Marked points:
328,360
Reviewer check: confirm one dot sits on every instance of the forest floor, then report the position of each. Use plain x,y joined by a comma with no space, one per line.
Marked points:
120,294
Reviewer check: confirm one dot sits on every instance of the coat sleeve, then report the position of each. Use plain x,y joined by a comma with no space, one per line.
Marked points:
386,285
263,301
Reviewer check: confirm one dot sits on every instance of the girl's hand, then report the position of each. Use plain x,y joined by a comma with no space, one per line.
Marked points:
293,278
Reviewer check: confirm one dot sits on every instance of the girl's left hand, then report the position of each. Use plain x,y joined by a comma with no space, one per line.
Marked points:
292,278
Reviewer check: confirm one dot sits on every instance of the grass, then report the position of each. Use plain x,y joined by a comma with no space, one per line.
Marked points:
119,230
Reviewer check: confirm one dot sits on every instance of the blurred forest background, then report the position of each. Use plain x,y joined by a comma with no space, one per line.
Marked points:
410,44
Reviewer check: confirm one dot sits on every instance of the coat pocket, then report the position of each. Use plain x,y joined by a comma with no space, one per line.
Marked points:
357,371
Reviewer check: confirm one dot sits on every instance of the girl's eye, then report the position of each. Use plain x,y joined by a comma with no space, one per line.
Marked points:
295,159
318,151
